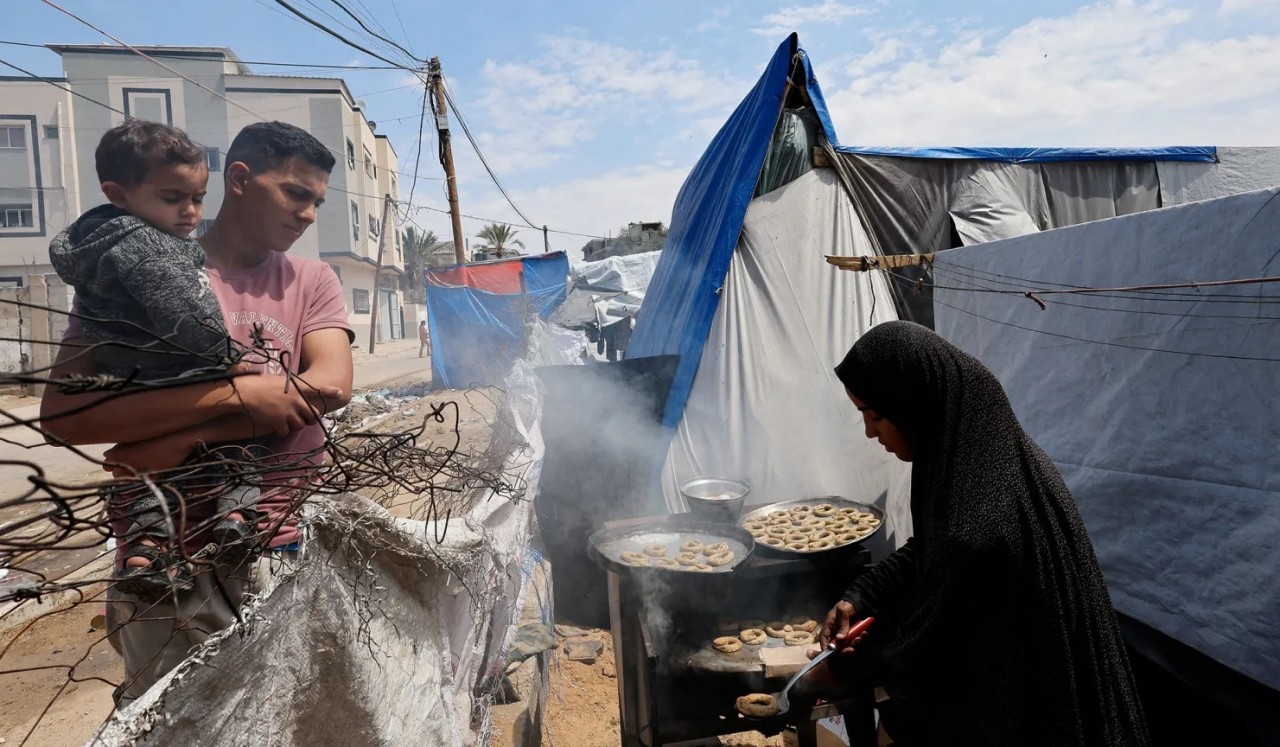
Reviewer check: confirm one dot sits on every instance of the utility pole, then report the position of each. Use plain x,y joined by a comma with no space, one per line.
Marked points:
546,242
446,156
377,276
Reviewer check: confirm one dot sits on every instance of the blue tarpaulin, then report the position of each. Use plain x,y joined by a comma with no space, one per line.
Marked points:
477,315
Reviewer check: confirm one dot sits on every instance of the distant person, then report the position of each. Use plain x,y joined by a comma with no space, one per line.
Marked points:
424,338
275,179
146,306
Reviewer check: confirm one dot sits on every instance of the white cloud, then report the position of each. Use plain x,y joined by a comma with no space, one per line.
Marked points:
537,110
717,21
791,18
1236,6
1117,73
597,205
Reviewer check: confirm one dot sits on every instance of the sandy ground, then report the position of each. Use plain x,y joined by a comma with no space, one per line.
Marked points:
582,709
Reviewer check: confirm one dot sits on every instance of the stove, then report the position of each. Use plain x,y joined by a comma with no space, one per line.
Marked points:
674,688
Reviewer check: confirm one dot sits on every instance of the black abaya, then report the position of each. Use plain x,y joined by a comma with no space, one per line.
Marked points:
994,616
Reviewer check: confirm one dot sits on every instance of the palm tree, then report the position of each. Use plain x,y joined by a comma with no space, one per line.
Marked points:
500,237
417,251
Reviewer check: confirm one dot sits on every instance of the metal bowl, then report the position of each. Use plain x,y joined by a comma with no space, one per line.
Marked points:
715,498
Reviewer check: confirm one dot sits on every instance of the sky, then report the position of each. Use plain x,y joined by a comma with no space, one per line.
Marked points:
593,113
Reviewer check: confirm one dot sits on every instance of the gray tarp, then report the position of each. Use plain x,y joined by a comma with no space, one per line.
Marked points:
1162,410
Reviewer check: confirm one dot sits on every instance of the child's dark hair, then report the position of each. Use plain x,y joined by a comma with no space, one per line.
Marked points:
129,150
264,146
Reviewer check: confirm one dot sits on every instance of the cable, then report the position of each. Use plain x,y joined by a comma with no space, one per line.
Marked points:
180,56
60,88
484,161
145,56
358,20
332,33
417,151
1108,343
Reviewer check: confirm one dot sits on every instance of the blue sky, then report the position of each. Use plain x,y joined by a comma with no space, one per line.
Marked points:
592,113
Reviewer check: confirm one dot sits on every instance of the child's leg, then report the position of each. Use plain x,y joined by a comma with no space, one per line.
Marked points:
150,566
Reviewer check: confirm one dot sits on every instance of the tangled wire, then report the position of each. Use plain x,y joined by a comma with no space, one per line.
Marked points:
58,537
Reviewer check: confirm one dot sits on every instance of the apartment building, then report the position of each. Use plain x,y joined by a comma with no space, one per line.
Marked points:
48,136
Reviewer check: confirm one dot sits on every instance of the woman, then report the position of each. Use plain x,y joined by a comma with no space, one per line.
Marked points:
993,623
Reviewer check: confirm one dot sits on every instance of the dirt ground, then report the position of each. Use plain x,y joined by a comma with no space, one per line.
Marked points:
65,692
582,707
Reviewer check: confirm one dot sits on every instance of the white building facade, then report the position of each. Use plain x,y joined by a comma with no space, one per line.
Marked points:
48,137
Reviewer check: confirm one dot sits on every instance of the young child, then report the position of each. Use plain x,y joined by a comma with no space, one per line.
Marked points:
147,308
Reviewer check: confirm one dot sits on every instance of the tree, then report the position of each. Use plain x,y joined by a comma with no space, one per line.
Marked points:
500,237
417,253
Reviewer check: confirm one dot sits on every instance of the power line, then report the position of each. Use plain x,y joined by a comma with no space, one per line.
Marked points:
334,34
60,88
484,161
181,56
417,151
364,26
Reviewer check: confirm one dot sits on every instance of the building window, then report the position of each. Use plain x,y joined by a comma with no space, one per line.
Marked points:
16,216
351,155
336,271
13,137
50,132
355,221
394,190
375,229
11,282
359,301
148,104
203,228
213,158
369,169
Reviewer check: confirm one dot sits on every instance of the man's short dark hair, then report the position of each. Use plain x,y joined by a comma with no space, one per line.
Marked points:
267,145
129,150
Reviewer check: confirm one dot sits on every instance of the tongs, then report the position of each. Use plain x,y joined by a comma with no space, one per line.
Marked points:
781,697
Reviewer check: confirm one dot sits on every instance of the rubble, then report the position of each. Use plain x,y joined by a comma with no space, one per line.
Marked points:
585,651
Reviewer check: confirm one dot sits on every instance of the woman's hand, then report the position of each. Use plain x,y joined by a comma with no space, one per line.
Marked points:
836,629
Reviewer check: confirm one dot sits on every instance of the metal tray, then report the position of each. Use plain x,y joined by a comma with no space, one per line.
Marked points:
760,512
608,544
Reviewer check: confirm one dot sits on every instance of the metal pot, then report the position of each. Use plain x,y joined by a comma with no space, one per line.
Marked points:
716,499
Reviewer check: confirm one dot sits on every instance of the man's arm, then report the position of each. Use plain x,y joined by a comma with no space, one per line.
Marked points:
326,366
114,417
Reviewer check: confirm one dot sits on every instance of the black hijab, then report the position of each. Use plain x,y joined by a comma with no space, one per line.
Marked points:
1011,639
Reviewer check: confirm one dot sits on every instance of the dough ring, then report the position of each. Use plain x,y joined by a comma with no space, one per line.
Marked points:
715,549
797,546
805,624
692,546
778,530
845,538
798,638
823,534
688,558
797,537
850,512
754,526
727,644
824,509
821,545
805,530
776,629
656,551
757,705
780,514
666,563
814,522
800,511
872,522
720,559
772,541
753,636
633,558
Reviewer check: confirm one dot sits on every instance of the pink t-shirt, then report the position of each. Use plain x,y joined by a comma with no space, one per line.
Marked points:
289,296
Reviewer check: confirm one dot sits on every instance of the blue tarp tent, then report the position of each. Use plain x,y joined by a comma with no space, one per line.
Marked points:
477,314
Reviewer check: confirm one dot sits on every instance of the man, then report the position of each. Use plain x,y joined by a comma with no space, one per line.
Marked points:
424,338
275,180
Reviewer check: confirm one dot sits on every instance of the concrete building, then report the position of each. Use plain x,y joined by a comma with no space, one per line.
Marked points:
636,238
48,136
